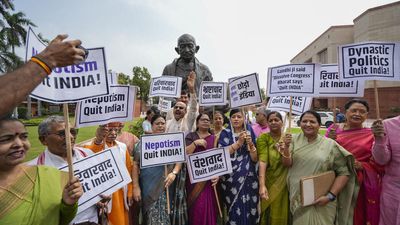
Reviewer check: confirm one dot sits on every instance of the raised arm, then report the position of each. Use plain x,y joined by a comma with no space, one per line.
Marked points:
16,85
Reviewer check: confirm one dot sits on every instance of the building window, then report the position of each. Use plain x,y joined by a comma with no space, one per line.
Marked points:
323,56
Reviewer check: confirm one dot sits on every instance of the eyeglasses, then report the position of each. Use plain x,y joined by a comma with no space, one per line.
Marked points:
61,133
179,107
115,129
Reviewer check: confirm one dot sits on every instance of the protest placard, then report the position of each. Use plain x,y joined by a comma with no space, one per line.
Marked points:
164,105
282,103
332,86
209,164
369,61
293,80
71,83
244,90
212,93
162,149
166,86
101,173
116,107
112,77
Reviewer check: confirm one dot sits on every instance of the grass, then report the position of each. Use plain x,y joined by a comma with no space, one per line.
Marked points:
85,133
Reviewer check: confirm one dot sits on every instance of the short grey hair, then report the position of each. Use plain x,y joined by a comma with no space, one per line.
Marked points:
44,126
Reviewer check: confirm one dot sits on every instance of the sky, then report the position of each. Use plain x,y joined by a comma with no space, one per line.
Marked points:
235,37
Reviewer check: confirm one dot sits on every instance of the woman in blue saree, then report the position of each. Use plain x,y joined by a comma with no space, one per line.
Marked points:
150,184
240,188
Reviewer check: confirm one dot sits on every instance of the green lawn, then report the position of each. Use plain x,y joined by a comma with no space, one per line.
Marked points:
85,133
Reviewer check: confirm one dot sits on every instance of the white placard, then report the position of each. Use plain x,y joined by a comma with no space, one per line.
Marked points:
282,103
332,86
101,173
112,77
162,149
206,165
244,90
212,93
115,107
71,83
370,61
166,86
164,105
294,80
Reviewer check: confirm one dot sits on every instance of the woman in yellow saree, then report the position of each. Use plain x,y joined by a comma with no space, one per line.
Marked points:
31,195
273,190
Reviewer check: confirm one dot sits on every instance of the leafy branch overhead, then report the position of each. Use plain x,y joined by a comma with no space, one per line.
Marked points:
141,78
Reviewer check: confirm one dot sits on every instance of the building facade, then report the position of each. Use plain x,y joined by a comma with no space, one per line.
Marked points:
381,23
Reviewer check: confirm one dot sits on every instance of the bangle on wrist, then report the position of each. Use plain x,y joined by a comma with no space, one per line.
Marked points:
174,172
194,144
42,64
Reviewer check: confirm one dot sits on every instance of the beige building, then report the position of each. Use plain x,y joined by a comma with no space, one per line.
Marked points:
381,23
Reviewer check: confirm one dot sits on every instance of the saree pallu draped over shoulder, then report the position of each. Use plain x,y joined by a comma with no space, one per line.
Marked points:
275,210
240,188
201,200
39,203
154,197
321,155
359,143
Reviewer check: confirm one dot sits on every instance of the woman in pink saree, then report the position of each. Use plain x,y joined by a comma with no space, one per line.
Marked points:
358,140
201,201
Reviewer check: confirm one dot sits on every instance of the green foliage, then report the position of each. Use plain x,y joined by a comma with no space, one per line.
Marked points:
263,95
22,112
123,79
12,34
137,128
141,78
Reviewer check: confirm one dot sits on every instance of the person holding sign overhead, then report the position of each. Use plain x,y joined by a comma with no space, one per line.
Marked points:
106,136
149,184
307,154
358,140
240,188
200,196
19,83
272,174
32,194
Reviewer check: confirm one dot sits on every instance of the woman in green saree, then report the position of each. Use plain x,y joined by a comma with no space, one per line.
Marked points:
31,195
309,153
272,175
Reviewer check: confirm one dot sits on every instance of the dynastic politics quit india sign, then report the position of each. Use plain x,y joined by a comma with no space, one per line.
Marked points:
71,83
370,61
162,149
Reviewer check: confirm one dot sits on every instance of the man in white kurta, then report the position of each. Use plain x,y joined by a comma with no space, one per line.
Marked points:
52,135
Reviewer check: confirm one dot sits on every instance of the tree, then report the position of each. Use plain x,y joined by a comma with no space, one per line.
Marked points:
15,33
141,78
263,95
123,79
5,5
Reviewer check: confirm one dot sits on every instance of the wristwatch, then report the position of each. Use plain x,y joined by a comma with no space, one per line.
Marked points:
331,196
